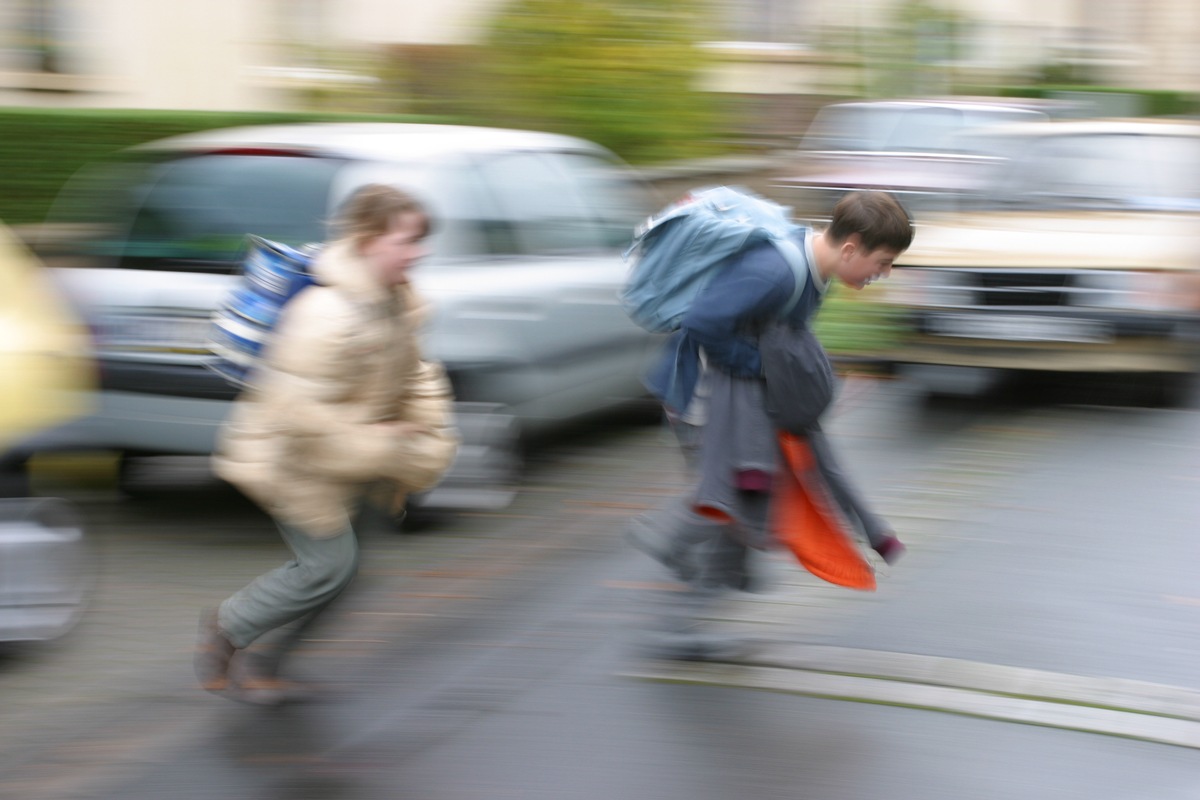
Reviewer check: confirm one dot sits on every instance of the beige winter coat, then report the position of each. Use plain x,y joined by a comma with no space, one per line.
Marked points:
310,437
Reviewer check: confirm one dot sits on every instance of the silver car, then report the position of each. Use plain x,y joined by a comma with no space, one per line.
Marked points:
912,148
523,276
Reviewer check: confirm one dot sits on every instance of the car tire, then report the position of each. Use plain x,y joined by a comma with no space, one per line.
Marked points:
493,438
14,476
129,467
1179,390
46,536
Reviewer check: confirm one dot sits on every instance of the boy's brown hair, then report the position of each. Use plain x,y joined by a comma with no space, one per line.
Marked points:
877,218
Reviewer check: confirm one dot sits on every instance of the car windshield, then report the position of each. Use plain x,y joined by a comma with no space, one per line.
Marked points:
902,128
193,213
1105,171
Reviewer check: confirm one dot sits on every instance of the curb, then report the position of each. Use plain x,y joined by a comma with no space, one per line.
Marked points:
1109,706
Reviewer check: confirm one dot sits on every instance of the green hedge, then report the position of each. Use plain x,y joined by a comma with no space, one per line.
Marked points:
1154,102
40,149
857,324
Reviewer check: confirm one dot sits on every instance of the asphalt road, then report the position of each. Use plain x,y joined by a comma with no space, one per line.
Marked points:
488,657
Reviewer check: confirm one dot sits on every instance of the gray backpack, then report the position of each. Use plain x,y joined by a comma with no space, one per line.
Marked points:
800,383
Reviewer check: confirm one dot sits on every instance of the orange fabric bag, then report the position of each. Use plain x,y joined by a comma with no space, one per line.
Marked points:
807,520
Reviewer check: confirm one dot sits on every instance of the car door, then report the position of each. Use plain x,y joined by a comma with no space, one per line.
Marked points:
617,203
563,269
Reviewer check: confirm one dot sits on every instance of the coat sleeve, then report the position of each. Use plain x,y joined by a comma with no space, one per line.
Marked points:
311,376
424,454
753,286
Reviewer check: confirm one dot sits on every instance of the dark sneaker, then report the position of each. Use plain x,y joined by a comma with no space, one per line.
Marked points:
706,647
658,545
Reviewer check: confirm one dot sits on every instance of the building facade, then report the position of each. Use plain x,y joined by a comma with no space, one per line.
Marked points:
280,54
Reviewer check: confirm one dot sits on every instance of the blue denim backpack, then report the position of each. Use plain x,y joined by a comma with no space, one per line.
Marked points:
678,251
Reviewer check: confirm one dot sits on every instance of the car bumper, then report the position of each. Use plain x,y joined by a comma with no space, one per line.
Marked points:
482,477
137,422
46,573
1060,343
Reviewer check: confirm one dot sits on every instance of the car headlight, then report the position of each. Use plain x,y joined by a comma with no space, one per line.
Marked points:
918,286
1138,291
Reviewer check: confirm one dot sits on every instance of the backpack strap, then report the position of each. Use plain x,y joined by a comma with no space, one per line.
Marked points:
796,259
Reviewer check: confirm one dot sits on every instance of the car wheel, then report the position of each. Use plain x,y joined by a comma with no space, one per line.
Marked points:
52,570
131,476
14,476
486,474
936,381
1176,390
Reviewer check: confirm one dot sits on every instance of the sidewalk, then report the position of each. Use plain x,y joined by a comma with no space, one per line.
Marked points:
908,644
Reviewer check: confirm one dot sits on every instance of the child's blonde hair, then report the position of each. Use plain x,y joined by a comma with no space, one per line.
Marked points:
372,211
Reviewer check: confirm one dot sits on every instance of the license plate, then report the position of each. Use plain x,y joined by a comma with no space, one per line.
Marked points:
1019,328
149,332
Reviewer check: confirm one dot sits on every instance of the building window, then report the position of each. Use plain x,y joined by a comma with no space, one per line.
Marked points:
39,37
767,21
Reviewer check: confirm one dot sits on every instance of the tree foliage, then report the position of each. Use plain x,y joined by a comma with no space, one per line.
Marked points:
915,51
624,73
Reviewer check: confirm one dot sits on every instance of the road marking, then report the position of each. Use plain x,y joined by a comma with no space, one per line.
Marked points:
1110,706
1181,600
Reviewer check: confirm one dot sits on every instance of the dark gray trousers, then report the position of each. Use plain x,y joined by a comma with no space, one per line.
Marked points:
299,590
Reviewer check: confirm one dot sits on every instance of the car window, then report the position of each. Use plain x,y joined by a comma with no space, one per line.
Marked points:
852,127
865,128
616,200
202,208
450,191
925,129
989,117
1112,170
193,213
541,211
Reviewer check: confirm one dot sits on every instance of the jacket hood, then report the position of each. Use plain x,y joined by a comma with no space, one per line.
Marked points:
339,265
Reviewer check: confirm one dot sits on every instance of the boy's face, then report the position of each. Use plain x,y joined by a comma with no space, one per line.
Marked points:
858,267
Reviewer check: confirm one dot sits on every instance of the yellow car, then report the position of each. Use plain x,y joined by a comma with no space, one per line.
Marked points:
44,351
45,376
1082,255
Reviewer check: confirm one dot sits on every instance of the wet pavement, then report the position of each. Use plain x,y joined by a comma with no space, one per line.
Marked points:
1050,580
1036,642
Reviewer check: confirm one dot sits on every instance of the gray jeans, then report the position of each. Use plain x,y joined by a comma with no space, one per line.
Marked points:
299,590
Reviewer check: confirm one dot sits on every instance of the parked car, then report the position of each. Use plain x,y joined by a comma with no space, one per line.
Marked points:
46,574
1082,255
523,275
911,148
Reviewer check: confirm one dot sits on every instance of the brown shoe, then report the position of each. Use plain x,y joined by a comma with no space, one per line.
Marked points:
255,679
269,691
212,655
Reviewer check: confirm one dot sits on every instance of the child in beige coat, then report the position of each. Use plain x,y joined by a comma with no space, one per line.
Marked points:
344,401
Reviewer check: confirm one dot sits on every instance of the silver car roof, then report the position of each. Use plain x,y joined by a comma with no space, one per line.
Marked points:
1135,125
370,140
989,103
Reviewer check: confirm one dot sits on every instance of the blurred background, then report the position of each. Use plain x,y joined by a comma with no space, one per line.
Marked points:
659,83
651,80
1019,398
